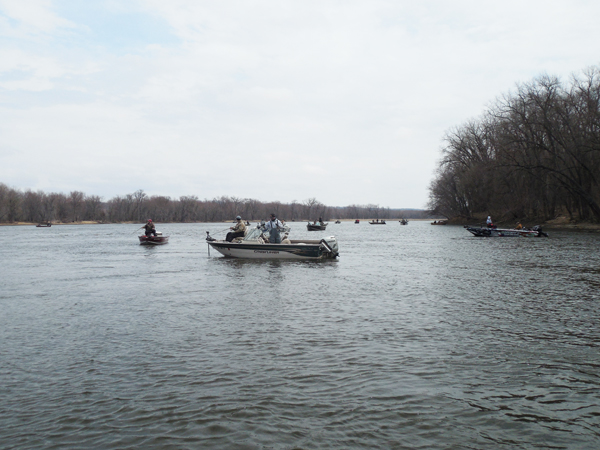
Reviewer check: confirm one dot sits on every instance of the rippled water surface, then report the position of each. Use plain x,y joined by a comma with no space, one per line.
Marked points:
418,337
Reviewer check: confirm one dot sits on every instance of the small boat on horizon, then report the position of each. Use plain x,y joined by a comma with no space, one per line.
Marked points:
357,221
43,225
377,222
403,222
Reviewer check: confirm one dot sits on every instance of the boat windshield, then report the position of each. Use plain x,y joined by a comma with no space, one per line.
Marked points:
254,233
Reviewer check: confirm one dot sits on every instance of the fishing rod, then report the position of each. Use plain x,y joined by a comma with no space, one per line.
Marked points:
209,238
139,229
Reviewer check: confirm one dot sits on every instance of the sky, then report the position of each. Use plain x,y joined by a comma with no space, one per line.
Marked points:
343,101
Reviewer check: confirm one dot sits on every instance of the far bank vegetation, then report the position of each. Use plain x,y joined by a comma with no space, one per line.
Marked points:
533,154
38,206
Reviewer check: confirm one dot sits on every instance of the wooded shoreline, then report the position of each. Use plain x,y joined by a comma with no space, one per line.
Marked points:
533,155
40,207
559,224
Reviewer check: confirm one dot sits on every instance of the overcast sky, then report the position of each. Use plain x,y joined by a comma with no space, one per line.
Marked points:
345,101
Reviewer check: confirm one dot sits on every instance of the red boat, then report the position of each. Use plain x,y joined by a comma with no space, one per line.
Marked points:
159,239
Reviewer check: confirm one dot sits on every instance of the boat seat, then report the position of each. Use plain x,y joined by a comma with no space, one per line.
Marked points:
240,239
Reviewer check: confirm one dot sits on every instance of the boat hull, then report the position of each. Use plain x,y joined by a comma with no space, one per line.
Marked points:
153,240
313,251
316,227
503,232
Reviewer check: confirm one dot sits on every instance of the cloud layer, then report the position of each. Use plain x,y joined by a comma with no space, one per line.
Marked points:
347,101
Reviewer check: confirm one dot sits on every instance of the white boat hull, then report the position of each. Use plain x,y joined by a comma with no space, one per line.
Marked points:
310,250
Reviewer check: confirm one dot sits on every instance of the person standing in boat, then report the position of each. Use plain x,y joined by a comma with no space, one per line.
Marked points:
274,227
150,228
489,222
238,231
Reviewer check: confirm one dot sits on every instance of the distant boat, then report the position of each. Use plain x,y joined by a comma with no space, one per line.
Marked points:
159,239
439,222
44,225
357,221
403,222
506,232
377,222
316,226
337,221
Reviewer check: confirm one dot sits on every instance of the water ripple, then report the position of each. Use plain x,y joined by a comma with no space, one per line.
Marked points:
419,337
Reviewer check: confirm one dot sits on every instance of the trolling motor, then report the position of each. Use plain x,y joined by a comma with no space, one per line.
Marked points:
209,238
540,233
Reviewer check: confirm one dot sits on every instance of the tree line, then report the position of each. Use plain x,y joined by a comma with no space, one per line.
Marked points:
38,206
533,154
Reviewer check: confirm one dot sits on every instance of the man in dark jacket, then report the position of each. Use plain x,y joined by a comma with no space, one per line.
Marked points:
150,228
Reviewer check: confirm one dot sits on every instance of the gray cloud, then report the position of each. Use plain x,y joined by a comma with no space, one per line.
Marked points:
344,101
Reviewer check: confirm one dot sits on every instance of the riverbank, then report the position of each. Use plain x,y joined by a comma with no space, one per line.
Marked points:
563,223
560,223
252,222
85,222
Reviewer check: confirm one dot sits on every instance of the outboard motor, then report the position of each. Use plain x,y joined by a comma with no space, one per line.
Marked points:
330,245
540,233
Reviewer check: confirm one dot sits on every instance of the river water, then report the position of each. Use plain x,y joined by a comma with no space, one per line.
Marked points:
418,337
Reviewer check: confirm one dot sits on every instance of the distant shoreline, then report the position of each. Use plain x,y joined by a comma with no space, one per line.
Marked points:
93,222
557,224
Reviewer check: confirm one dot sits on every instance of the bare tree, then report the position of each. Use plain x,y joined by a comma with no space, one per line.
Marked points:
76,202
13,205
93,210
139,198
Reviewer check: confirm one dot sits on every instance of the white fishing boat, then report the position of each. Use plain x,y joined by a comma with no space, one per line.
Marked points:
256,245
506,232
